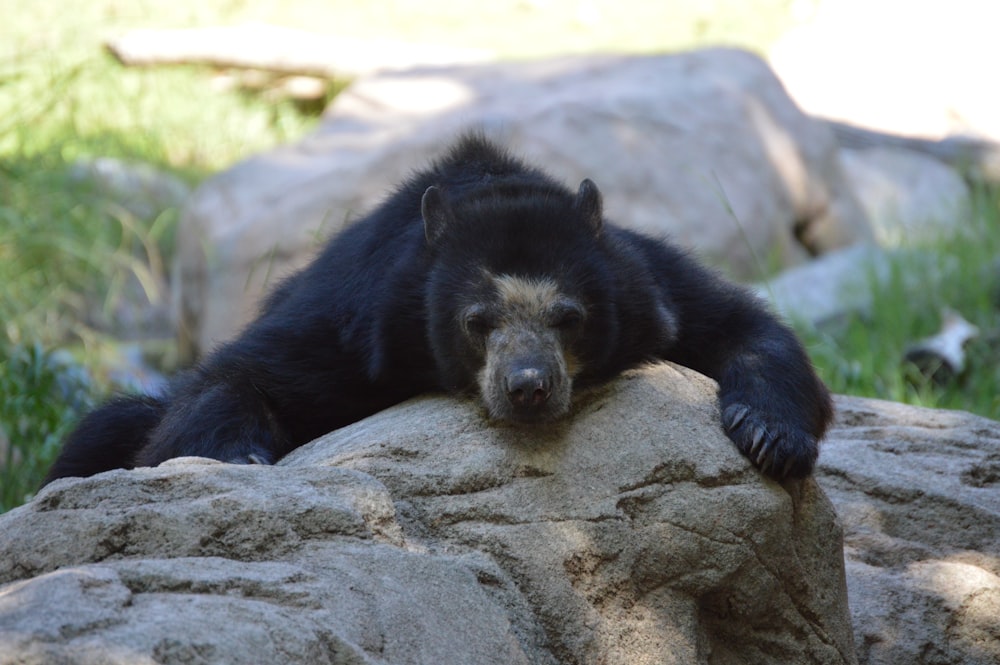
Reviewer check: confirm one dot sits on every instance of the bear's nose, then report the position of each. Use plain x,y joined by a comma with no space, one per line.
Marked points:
528,388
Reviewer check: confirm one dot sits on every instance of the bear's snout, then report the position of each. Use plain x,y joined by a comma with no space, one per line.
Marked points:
528,388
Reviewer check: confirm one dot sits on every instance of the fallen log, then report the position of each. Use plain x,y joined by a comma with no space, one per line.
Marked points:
281,50
978,159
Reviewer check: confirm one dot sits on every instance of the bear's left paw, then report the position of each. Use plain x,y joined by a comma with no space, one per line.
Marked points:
778,449
251,458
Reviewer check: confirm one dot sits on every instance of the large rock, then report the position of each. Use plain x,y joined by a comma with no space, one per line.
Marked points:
632,533
830,288
917,492
842,284
705,146
909,198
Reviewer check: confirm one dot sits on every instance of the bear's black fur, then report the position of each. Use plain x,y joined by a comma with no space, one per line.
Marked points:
478,275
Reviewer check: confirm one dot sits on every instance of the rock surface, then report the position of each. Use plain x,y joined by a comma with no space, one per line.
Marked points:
134,195
917,492
705,146
140,189
825,290
908,197
632,533
843,283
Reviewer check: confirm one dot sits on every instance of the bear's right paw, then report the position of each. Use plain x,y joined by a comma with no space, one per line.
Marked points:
777,448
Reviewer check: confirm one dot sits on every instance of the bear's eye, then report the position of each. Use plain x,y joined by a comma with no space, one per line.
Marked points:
567,316
477,321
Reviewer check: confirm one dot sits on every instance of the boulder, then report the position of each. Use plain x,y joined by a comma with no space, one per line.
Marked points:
705,146
828,289
633,532
131,195
842,284
196,561
917,493
908,197
138,188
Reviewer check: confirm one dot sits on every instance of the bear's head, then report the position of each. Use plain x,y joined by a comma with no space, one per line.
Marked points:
517,298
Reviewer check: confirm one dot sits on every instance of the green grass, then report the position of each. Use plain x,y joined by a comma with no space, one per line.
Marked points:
67,253
864,355
41,394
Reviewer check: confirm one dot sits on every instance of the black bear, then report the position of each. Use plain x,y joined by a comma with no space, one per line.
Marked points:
479,275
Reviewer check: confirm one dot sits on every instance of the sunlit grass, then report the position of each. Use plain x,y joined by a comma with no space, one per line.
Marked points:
864,354
68,252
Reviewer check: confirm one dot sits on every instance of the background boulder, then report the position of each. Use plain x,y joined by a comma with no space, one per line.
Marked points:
908,197
705,146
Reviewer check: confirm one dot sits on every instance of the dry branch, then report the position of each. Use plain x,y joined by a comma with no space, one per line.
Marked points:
977,158
281,50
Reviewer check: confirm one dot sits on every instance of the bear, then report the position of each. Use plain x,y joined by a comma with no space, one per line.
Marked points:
482,276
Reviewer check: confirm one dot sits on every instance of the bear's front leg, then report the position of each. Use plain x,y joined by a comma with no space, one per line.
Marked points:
220,420
773,406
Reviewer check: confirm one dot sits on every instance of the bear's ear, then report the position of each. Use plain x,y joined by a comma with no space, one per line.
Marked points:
589,206
436,213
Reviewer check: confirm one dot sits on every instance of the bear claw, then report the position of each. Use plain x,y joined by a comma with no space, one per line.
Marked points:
778,450
250,458
734,415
